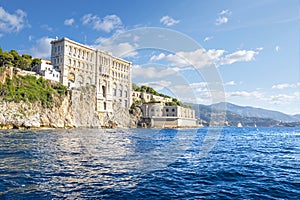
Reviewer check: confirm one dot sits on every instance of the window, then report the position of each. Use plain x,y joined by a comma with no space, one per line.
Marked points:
167,110
104,91
173,110
125,94
104,105
120,92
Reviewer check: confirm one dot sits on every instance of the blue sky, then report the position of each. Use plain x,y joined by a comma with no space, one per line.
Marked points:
253,46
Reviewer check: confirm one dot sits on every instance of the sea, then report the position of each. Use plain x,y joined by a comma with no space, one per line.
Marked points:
204,163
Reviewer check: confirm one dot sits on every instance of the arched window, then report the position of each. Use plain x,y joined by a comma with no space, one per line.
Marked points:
104,91
115,89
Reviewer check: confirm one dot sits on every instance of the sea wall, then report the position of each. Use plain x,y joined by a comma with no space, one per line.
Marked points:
76,109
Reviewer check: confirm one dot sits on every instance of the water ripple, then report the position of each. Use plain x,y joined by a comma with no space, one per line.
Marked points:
128,164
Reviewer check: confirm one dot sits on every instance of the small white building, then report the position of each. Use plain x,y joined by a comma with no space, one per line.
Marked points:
47,70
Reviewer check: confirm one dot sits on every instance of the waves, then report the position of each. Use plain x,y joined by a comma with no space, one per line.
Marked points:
128,164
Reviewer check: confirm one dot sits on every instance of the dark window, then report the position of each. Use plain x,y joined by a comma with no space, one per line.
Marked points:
103,91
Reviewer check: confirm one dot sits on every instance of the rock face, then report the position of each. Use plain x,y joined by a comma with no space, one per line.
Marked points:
77,109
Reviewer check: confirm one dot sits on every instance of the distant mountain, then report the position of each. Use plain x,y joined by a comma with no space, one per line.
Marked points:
247,111
247,116
297,117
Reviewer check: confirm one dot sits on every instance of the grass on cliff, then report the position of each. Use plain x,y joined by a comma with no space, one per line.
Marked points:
31,89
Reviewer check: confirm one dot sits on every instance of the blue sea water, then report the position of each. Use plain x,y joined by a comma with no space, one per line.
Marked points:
227,163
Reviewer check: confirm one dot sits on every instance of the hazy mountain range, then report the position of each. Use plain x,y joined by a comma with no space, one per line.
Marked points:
248,116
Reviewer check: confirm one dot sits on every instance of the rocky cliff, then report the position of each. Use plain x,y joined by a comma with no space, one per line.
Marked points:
76,109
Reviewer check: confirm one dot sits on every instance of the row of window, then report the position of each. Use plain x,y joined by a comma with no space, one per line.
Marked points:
167,110
82,65
123,103
120,67
79,53
119,75
120,93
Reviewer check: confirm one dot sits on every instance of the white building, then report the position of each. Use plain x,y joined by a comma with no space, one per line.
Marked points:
47,70
162,116
82,65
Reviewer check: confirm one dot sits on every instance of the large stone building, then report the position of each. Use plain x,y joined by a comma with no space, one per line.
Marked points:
80,65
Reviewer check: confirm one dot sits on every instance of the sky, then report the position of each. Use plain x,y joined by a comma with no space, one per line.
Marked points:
244,52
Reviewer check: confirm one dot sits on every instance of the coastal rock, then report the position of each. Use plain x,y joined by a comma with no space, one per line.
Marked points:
76,109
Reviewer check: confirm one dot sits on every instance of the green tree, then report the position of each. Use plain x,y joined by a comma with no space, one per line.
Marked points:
25,62
36,61
16,62
135,87
6,59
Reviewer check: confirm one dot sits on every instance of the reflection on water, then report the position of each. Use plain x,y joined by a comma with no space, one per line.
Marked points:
145,163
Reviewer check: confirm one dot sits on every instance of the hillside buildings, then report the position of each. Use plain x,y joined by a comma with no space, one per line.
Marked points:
47,70
80,65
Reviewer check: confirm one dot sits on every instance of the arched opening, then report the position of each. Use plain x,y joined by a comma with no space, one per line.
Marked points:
114,89
104,90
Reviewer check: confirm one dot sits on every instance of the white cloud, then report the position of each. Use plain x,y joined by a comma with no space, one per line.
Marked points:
221,20
238,56
229,83
47,27
69,22
12,22
158,57
122,49
199,84
198,58
254,94
151,72
42,48
202,58
282,99
225,12
277,48
168,21
208,38
107,24
285,85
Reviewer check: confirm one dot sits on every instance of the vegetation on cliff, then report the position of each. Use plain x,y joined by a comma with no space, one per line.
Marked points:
31,89
28,88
